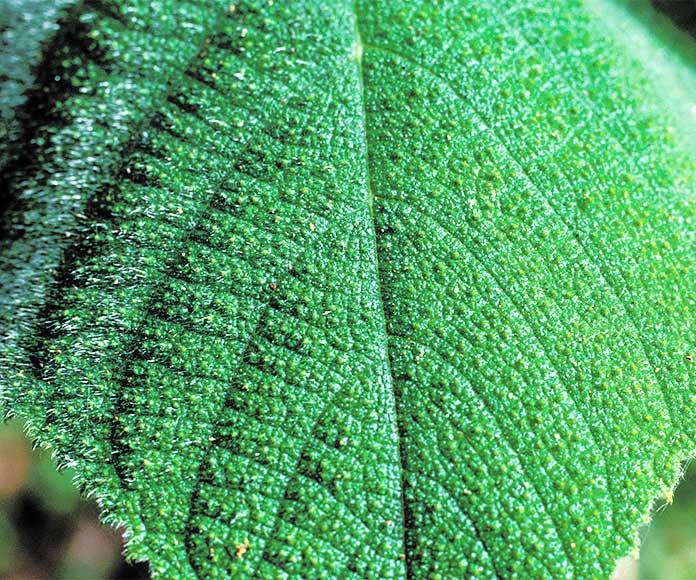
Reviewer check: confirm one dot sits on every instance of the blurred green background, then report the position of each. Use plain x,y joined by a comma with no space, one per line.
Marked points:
668,551
46,530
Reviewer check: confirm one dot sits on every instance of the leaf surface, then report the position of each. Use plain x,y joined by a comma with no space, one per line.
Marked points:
371,290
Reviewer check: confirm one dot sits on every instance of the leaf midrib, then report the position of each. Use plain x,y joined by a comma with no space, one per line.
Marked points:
357,54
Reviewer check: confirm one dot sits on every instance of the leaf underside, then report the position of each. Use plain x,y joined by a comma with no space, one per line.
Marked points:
374,290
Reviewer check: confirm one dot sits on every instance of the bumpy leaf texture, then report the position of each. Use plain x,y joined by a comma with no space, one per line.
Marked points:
357,290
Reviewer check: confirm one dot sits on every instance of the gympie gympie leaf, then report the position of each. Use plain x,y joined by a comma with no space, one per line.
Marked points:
373,290
25,25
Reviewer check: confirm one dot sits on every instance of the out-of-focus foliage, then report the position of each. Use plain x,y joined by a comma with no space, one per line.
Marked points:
668,551
46,531
682,13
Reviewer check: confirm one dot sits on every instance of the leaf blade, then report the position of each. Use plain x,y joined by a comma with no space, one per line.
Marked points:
239,389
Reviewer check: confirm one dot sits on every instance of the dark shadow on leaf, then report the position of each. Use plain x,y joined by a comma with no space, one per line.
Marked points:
681,12
64,57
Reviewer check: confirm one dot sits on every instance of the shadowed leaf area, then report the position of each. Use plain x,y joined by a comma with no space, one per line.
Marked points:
682,13
375,290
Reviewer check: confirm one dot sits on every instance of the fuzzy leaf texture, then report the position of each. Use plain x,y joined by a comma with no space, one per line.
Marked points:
384,289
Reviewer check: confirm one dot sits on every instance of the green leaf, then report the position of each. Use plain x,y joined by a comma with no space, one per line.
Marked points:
25,25
365,290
